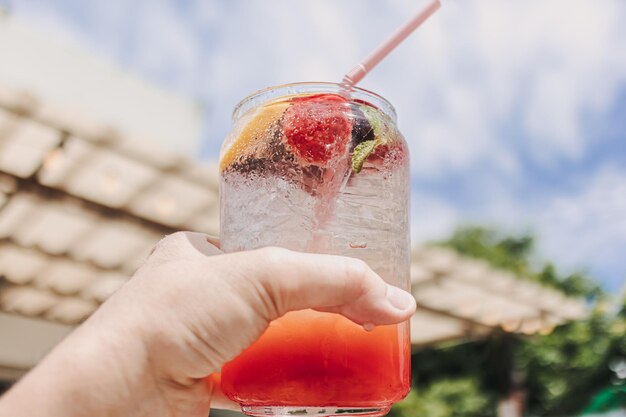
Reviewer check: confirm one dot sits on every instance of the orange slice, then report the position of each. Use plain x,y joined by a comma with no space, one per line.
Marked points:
256,130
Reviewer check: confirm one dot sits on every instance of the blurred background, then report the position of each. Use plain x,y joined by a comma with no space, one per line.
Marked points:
112,114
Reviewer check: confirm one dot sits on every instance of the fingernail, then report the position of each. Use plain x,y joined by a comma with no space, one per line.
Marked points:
398,298
368,327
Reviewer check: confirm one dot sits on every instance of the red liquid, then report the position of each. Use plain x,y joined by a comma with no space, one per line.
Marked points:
314,359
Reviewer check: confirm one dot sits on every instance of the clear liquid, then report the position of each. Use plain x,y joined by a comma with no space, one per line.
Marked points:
366,219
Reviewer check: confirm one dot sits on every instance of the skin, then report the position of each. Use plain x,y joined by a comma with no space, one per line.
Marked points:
148,349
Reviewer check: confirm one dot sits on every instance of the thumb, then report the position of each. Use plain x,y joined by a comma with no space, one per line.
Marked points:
348,286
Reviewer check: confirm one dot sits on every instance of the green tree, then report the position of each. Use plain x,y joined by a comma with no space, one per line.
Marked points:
565,369
458,397
560,371
515,254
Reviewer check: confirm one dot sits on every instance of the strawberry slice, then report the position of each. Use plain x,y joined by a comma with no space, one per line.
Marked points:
318,128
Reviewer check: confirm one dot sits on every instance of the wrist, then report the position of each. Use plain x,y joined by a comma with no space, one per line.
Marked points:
96,370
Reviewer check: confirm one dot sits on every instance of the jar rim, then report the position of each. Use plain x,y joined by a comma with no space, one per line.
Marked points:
356,93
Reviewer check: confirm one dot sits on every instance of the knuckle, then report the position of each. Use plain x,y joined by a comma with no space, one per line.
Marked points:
355,272
276,288
174,238
261,283
357,268
273,255
168,246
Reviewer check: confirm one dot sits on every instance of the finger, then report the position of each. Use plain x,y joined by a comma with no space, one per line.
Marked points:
183,246
297,281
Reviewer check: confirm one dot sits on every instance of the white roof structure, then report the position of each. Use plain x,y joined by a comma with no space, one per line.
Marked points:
64,72
461,297
81,205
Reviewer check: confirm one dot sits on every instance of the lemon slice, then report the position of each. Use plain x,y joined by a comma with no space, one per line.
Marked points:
256,130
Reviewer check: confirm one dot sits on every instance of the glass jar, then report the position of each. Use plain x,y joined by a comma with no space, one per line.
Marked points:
312,167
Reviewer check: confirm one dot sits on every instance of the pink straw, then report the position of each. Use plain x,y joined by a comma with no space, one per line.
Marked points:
357,73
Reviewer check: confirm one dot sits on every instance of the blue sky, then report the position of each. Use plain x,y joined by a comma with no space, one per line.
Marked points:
515,111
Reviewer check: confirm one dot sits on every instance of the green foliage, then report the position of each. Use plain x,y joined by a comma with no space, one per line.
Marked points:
508,253
514,253
622,312
560,372
489,362
566,368
459,397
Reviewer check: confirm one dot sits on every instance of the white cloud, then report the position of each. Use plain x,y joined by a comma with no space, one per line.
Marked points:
432,218
166,47
536,67
587,228
581,229
59,27
475,66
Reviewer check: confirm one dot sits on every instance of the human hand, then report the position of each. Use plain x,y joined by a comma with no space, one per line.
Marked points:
187,311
